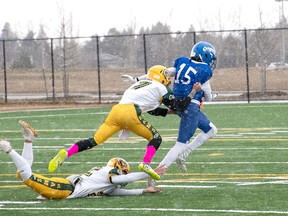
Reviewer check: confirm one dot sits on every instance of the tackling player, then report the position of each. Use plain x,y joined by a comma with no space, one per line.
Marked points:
143,96
109,180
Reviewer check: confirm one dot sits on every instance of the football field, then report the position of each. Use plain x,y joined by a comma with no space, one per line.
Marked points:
242,171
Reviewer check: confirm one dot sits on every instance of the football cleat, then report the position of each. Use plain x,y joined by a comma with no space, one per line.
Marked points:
5,146
146,168
57,160
181,163
28,132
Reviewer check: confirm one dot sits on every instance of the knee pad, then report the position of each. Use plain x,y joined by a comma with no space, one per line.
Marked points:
155,142
86,144
213,131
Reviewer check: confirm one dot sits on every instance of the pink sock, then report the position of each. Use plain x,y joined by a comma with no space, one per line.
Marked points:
72,150
150,152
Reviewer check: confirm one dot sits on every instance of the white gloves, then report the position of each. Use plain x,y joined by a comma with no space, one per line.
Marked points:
128,79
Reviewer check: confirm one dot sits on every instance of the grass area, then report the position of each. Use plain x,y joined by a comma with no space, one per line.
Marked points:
242,171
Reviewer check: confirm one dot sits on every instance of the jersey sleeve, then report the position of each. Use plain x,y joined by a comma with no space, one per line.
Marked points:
131,177
126,192
167,93
207,92
113,172
205,74
142,77
172,71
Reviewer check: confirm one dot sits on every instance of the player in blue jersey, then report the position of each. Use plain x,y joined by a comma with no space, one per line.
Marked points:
187,71
198,68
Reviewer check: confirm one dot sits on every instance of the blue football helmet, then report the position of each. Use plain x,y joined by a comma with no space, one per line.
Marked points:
204,52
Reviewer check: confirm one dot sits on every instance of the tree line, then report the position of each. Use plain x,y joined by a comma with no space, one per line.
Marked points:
124,48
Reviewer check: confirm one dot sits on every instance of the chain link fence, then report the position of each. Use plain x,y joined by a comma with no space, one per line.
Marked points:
251,65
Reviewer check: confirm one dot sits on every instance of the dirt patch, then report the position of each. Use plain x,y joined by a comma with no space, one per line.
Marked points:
38,106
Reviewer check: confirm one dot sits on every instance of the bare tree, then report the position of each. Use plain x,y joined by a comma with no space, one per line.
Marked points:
265,43
69,49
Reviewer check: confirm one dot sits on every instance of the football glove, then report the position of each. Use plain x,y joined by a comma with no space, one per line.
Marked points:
128,79
158,112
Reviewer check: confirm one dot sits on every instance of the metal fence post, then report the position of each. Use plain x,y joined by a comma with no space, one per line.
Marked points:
145,52
52,71
5,71
247,65
194,37
98,68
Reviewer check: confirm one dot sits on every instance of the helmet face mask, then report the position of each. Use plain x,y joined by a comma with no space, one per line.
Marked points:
160,74
204,52
120,163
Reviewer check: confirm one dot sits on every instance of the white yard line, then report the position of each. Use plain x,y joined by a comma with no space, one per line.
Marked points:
105,148
148,209
262,183
185,186
19,202
53,115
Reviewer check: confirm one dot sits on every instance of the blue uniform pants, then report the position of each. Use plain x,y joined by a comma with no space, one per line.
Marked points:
191,119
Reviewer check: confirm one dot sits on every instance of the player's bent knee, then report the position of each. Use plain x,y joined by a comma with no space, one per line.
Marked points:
156,142
213,131
86,144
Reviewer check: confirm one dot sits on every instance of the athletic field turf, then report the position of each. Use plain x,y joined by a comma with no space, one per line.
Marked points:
242,171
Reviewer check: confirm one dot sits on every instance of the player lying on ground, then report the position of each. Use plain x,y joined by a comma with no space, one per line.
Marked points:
143,96
108,180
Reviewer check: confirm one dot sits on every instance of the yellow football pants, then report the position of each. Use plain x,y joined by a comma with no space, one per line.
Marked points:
125,116
51,188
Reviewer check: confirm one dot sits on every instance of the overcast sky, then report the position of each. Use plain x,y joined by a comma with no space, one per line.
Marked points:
90,17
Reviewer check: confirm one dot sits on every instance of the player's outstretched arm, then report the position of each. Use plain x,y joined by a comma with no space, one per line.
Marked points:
130,79
151,189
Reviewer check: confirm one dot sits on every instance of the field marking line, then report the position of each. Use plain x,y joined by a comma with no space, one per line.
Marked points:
19,202
224,130
164,186
185,186
208,179
53,115
13,186
105,148
187,174
190,180
262,183
150,210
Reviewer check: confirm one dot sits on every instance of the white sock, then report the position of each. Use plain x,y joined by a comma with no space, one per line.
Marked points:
21,164
201,138
173,153
27,153
197,141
